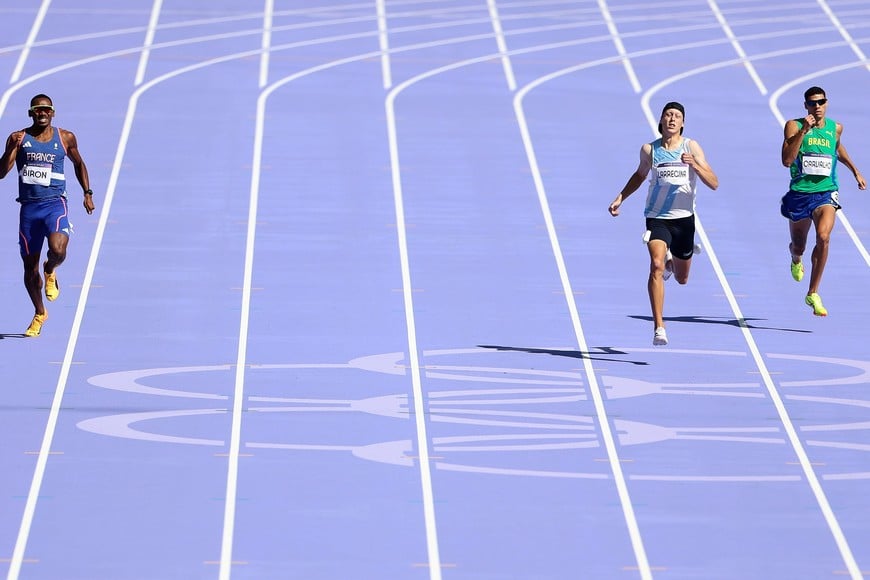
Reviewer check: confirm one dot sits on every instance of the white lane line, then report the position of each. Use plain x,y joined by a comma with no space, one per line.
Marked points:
502,45
784,417
229,522
594,388
149,41
843,32
51,423
747,63
384,43
620,48
31,39
266,43
433,552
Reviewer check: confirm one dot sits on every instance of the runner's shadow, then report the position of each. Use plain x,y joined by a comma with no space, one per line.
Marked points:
720,320
604,350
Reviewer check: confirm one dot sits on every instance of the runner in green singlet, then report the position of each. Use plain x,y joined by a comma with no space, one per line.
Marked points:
812,150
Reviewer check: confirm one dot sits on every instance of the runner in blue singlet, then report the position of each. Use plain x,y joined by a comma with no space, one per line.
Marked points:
676,164
39,152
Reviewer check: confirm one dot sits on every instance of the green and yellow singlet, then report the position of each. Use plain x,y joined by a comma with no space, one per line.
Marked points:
814,170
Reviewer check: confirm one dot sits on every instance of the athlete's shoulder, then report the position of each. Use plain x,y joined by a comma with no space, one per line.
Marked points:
791,127
66,136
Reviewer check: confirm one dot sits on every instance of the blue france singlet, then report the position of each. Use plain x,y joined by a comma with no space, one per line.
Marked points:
672,183
40,168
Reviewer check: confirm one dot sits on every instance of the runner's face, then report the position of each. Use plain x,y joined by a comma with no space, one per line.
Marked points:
816,105
672,122
41,112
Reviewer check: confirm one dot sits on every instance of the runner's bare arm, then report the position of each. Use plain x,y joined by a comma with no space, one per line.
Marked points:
7,162
843,157
635,181
72,151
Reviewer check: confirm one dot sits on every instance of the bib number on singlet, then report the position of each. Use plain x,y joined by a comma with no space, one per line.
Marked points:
36,175
673,173
817,164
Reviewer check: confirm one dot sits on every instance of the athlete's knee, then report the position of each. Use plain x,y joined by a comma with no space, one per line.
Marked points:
657,267
823,237
56,256
32,278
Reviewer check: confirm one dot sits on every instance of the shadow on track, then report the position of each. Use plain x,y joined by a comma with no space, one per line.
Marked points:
720,320
602,350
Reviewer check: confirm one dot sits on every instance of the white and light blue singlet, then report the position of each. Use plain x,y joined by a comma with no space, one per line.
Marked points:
672,183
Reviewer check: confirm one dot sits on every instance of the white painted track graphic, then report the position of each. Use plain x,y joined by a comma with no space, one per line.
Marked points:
500,400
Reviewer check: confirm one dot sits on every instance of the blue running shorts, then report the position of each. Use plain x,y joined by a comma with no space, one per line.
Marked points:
37,220
796,205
